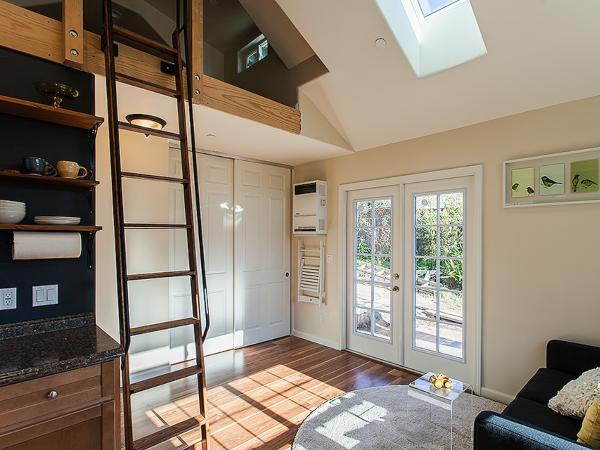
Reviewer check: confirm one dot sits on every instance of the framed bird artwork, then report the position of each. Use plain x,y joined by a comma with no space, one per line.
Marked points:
522,182
553,179
584,176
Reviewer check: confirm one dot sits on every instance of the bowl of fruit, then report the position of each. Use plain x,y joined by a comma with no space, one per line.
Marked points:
440,381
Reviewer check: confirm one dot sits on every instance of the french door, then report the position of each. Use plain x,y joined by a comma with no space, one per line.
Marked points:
414,275
442,278
373,273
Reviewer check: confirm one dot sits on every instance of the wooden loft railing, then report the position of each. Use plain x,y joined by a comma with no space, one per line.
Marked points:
38,35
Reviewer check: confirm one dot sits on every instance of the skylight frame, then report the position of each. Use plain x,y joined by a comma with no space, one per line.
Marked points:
419,6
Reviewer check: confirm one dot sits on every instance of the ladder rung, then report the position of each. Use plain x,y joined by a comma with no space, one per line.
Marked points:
152,131
150,276
156,226
163,326
142,40
145,176
164,379
167,433
132,81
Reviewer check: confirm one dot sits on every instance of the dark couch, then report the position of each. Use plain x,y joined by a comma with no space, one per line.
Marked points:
527,422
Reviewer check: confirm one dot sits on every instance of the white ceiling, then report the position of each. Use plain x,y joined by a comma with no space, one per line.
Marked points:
540,53
232,135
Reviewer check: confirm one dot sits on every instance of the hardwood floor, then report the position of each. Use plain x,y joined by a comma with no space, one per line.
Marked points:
258,396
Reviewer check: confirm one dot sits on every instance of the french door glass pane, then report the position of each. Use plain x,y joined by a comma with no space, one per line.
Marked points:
372,267
438,236
363,320
451,340
383,325
425,334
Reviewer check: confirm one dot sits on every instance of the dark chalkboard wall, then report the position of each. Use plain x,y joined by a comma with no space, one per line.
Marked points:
24,137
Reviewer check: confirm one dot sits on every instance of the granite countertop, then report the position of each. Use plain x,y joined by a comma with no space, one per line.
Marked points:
39,348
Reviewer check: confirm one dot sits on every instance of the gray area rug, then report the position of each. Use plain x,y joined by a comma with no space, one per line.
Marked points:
387,418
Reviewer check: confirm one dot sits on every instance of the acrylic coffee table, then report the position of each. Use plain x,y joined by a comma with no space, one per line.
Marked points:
422,389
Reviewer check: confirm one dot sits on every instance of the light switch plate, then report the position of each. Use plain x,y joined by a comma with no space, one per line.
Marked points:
45,295
8,298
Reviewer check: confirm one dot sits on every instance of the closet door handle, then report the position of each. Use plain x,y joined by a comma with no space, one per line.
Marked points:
287,274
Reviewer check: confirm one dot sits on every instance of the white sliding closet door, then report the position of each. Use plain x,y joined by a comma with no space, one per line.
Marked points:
262,252
216,191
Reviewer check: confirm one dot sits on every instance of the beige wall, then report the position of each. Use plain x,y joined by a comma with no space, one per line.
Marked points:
540,265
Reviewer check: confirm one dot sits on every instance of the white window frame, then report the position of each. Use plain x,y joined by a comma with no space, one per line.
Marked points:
248,49
372,308
476,226
438,258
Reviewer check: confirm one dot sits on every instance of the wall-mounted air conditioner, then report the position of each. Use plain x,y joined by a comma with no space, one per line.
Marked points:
310,207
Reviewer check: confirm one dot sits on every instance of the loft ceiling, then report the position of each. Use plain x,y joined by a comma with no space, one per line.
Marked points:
540,53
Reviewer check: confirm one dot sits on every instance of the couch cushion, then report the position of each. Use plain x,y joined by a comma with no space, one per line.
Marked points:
541,416
544,385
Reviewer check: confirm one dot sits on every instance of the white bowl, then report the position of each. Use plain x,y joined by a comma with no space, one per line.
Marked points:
12,210
20,207
11,203
11,217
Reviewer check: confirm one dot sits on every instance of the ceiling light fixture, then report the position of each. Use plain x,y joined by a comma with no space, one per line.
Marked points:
146,121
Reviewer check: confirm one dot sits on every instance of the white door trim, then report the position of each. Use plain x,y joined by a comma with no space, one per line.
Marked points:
475,171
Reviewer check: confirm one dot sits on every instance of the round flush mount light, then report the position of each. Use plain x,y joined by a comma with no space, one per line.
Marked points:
146,121
212,135
380,42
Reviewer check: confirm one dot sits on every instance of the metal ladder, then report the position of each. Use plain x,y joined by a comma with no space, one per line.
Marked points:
111,34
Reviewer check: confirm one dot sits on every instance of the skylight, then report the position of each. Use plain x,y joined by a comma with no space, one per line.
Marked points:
429,7
432,41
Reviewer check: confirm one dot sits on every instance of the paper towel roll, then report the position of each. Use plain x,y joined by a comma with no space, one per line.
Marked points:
32,245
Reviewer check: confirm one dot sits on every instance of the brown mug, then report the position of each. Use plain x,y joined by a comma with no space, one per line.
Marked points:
70,169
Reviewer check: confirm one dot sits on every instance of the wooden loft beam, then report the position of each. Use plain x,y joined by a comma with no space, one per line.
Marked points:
41,36
73,32
234,100
197,38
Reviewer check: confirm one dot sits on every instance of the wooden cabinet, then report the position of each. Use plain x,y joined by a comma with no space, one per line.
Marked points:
78,409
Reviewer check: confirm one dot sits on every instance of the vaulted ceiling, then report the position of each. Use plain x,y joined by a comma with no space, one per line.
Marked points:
540,53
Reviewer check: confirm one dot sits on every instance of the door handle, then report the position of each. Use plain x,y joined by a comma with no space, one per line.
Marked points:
396,276
287,274
395,289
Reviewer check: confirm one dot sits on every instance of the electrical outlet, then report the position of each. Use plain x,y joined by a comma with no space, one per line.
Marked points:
8,298
45,295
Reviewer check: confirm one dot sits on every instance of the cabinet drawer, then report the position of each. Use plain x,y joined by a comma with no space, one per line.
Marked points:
47,396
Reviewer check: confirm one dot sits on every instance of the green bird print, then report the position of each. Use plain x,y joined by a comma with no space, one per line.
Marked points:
530,190
588,183
515,186
575,182
549,182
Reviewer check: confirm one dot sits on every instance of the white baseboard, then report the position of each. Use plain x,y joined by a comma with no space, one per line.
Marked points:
497,395
316,339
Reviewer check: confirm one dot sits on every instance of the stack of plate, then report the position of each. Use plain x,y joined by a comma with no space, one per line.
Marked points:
56,220
11,211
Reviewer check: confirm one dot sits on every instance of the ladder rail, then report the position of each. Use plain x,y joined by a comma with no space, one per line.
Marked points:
118,214
198,336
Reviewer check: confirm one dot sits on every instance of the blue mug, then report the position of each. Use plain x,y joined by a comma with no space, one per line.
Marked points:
39,166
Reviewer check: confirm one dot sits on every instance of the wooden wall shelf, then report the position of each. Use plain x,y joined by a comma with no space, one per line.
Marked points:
69,182
26,227
47,113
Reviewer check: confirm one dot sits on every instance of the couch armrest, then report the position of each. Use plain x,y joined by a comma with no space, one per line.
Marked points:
572,358
497,432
